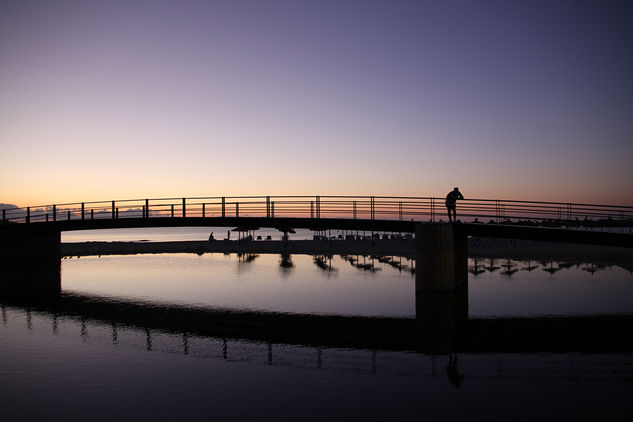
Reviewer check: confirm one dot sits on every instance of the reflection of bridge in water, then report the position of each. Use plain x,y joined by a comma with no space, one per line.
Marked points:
537,334
547,348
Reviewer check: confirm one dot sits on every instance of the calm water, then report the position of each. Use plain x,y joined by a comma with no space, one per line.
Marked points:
115,346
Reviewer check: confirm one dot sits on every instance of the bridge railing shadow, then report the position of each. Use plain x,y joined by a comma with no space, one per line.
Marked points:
404,208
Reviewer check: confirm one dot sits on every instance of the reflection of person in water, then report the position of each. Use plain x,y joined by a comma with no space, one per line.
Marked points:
451,203
211,237
454,376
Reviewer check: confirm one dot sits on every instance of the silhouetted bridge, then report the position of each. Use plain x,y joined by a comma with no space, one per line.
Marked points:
32,234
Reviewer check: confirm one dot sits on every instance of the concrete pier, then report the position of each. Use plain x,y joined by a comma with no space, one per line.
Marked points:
30,261
441,256
441,286
441,317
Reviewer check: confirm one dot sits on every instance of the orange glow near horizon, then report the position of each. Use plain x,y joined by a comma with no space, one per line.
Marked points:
229,100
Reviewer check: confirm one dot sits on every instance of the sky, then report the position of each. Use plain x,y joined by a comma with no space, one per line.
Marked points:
525,100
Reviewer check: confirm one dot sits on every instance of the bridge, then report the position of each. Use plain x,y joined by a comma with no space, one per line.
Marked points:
31,235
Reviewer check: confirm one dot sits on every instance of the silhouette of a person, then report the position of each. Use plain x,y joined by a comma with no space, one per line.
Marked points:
451,203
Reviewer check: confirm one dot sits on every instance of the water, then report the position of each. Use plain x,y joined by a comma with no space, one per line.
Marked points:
123,342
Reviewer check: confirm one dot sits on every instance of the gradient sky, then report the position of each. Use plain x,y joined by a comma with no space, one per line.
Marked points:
131,99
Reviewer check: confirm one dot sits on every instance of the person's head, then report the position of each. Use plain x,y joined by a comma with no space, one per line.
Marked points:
456,189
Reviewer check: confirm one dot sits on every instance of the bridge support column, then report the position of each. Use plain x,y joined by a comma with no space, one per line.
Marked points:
441,286
30,261
441,256
441,317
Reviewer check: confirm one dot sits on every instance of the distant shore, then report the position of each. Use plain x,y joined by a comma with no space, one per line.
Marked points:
404,247
478,248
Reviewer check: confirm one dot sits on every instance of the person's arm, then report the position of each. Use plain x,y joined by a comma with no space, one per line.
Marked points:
461,196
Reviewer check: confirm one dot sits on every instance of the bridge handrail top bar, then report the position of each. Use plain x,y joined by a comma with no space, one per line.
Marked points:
325,198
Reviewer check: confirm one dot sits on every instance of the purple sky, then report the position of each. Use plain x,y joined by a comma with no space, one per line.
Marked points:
131,99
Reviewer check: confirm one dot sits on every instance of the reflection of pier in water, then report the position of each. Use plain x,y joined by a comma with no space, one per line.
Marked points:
261,338
512,266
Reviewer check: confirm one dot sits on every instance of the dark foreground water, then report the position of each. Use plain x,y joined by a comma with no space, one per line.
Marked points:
268,337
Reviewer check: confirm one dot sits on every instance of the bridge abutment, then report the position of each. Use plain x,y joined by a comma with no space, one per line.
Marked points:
30,261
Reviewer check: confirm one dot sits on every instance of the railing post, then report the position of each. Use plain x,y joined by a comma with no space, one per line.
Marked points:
172,210
203,210
272,209
237,209
117,213
354,209
311,209
4,216
372,209
68,215
223,207
92,214
54,212
318,207
432,209
147,208
83,209
47,217
28,214
113,211
184,208
267,206
400,210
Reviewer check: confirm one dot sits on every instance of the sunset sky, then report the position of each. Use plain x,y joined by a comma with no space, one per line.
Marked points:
131,99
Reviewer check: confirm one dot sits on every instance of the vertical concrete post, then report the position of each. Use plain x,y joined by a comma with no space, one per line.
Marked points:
441,256
441,286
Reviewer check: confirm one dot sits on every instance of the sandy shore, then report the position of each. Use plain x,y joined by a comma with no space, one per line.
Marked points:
550,251
478,248
311,247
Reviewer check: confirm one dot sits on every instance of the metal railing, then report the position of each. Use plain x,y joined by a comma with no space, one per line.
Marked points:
404,208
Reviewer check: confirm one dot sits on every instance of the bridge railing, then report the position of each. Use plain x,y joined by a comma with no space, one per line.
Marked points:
317,207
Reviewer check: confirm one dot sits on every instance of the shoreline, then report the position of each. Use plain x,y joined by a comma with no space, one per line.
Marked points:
309,247
477,248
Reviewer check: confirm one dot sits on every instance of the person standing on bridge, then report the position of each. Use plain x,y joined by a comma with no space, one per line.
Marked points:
451,204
